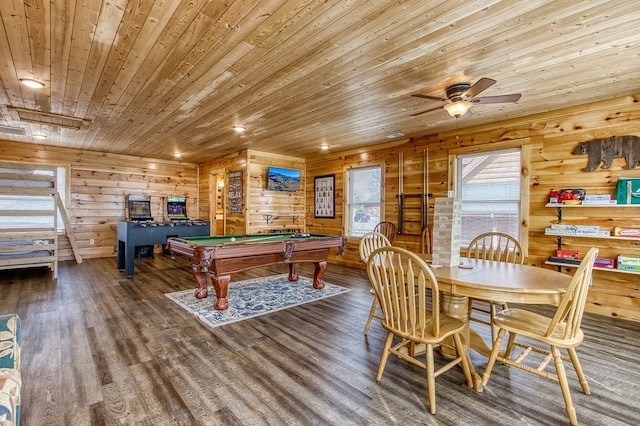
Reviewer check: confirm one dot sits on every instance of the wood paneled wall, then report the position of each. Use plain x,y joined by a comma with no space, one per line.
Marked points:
98,184
547,140
285,210
235,223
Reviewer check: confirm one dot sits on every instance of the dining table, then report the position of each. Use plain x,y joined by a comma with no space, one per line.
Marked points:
500,282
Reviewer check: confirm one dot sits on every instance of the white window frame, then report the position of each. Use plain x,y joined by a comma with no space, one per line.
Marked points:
348,226
64,193
525,159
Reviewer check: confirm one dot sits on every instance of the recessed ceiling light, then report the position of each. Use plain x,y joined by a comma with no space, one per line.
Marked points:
239,129
325,146
177,154
29,82
395,135
39,136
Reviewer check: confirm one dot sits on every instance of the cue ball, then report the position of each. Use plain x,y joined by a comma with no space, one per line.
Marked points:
233,239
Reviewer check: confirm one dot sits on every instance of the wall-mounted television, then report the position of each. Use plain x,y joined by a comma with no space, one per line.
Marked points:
279,179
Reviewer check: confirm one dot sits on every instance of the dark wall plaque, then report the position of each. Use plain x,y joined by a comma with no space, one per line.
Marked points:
235,192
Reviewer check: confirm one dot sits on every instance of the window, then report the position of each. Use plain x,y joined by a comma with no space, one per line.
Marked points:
364,200
489,185
32,202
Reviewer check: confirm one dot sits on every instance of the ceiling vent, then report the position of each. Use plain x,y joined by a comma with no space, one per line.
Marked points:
12,130
48,118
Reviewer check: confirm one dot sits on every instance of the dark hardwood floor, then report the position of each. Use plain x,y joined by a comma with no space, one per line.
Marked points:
102,349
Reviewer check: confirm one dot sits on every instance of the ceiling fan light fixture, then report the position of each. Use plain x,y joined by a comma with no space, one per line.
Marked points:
458,108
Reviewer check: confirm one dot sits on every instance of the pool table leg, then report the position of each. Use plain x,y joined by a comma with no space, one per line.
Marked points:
200,276
221,284
293,272
317,274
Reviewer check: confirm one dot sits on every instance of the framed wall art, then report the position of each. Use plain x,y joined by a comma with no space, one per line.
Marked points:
325,196
234,191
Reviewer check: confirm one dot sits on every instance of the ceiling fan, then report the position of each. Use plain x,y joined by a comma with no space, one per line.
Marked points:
462,96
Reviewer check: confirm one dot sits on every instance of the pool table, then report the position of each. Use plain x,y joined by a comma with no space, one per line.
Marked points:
223,255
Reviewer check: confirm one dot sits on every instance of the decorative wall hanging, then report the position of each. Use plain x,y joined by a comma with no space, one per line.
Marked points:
606,150
325,197
235,192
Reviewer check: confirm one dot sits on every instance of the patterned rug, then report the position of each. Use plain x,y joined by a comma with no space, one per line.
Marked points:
251,298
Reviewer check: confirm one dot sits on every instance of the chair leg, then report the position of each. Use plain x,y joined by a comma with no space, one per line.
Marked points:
463,353
510,342
578,368
494,355
431,379
372,312
384,356
492,310
564,385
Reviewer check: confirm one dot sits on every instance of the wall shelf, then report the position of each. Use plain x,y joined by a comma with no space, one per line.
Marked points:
271,217
584,206
612,237
568,265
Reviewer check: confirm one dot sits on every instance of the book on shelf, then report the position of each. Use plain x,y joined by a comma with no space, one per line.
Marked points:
556,259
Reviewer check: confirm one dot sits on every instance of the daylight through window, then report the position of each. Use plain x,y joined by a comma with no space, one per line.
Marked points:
24,202
363,200
489,186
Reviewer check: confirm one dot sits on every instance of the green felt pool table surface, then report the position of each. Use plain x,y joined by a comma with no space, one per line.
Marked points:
248,239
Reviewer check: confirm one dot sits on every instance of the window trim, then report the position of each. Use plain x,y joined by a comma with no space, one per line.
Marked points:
525,147
66,197
346,222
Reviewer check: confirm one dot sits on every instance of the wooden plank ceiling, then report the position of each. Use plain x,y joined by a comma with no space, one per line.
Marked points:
154,78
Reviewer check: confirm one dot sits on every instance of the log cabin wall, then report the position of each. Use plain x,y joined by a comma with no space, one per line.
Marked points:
547,141
234,223
98,184
263,211
274,211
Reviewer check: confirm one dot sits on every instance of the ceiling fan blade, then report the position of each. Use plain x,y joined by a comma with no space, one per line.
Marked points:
497,99
433,98
479,86
425,111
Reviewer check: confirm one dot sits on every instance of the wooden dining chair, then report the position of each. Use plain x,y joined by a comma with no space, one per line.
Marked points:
561,331
369,242
501,248
426,245
388,229
409,297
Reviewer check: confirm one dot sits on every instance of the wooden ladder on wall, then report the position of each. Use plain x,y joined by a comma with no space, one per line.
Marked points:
412,213
413,208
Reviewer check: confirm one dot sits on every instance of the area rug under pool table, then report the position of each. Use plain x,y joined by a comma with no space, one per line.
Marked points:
254,297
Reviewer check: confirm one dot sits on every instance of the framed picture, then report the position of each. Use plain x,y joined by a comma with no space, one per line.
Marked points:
325,196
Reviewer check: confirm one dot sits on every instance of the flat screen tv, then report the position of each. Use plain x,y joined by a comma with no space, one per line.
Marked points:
279,179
